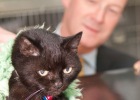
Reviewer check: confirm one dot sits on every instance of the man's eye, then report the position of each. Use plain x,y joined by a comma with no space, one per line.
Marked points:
114,11
43,72
67,70
92,1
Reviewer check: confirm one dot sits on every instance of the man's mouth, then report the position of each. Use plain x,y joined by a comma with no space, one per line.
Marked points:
90,28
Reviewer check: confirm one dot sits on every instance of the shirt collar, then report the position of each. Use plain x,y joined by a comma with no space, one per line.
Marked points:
90,58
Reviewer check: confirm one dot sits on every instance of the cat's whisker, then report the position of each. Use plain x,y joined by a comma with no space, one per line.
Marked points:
30,96
39,95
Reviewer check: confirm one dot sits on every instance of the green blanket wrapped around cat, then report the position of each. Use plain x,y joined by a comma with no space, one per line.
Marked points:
6,68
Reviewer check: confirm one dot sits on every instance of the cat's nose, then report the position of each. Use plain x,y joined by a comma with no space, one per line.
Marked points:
58,84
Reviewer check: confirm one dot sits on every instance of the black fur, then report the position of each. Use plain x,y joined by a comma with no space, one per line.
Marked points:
35,50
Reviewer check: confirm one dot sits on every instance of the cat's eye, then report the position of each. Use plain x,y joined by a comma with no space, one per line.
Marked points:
67,70
43,72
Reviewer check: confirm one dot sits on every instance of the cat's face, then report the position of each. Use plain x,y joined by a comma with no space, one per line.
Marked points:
46,61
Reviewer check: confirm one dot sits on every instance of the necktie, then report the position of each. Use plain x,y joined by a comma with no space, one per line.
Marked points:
82,70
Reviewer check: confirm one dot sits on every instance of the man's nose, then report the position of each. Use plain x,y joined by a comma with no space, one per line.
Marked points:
99,15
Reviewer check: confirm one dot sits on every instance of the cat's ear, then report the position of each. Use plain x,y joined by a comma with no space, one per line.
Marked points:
27,48
72,42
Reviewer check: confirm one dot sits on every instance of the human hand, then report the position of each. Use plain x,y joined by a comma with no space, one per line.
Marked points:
6,35
137,68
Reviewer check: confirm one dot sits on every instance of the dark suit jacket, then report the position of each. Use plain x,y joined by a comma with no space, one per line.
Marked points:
109,59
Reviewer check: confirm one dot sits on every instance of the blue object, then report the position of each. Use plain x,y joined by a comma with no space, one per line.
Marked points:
44,98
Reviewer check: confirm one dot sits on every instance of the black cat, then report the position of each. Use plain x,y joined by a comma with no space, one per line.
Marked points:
45,64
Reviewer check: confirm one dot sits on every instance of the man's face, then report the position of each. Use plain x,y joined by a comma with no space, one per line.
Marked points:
96,18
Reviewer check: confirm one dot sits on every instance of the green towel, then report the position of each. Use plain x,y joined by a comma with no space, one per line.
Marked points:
6,68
